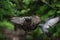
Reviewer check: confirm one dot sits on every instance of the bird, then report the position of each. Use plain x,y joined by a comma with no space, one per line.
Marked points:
49,23
27,23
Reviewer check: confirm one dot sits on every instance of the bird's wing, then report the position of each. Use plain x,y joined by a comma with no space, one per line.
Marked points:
18,20
52,21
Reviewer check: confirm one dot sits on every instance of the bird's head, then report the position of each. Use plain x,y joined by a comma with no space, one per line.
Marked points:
28,20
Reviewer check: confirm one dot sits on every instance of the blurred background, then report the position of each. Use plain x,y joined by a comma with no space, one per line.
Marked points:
19,8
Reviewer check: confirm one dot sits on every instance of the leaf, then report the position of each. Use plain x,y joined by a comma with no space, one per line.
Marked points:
29,37
58,12
7,25
51,12
26,1
42,9
24,11
44,17
38,32
57,4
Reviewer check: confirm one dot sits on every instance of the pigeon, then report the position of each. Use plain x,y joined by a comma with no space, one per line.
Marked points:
49,23
27,23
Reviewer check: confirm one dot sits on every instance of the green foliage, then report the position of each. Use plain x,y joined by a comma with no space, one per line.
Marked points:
29,37
7,8
1,36
44,8
57,33
51,12
27,2
7,25
37,32
57,4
